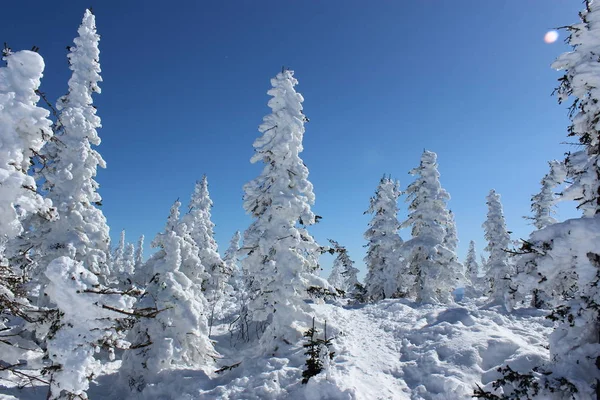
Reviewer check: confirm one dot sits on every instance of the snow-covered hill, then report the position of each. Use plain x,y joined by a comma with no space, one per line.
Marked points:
392,349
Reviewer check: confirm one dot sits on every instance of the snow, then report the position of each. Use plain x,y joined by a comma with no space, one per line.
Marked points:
393,349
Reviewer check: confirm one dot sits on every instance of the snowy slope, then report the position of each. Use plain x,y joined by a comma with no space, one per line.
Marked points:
393,349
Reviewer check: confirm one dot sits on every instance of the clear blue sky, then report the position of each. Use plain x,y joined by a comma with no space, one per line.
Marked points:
185,88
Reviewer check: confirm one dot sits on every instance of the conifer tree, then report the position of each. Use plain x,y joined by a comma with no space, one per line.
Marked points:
499,269
117,258
231,261
472,266
81,232
281,255
177,337
24,129
386,276
564,256
435,267
201,229
542,204
139,254
451,238
343,274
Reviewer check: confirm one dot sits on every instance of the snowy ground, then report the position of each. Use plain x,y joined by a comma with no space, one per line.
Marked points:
389,350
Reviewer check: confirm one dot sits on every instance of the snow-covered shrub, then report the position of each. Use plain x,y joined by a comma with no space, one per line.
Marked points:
86,316
176,334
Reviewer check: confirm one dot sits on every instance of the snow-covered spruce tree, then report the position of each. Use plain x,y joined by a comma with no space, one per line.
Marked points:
128,264
177,336
231,261
201,228
139,253
451,238
282,256
86,318
562,259
343,274
472,266
542,203
499,268
336,278
434,267
231,254
387,275
24,128
117,257
81,232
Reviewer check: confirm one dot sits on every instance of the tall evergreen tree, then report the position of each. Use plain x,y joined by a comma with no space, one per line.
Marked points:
117,258
435,267
565,256
231,254
386,276
499,269
81,232
139,253
231,260
281,255
451,238
471,265
201,228
24,128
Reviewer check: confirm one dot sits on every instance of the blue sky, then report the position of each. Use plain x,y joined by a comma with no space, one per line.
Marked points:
185,88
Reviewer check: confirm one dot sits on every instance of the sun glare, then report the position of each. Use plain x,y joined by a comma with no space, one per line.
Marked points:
550,36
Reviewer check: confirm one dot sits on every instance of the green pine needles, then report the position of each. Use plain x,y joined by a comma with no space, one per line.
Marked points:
317,351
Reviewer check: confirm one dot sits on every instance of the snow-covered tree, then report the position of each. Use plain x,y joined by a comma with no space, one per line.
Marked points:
499,268
435,268
177,336
117,258
139,253
231,254
281,255
343,273
471,265
231,260
85,318
565,256
336,278
387,275
201,228
582,81
542,204
81,232
451,238
24,129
